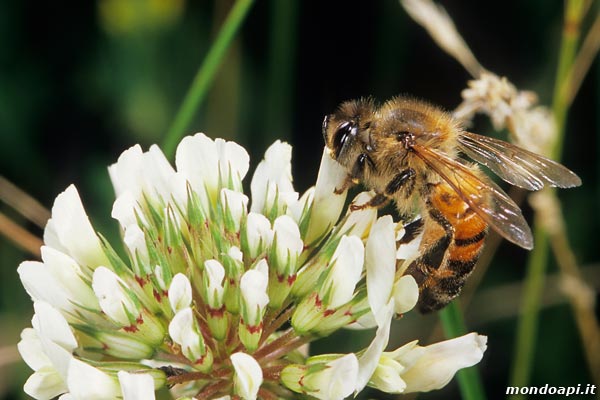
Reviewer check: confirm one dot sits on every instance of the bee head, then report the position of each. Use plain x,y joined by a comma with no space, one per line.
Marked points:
345,131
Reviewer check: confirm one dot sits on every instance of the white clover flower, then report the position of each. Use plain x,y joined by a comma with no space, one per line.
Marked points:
216,300
248,375
413,368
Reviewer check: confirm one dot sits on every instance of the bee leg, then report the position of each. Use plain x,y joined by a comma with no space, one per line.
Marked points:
404,178
356,174
377,201
429,263
348,183
411,231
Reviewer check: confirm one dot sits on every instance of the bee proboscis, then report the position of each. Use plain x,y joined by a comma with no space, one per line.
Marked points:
413,153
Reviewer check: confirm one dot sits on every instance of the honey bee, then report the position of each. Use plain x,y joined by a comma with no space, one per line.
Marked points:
412,153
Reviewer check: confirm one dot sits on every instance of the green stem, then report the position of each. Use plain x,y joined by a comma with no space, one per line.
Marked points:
204,77
528,320
536,268
469,380
575,10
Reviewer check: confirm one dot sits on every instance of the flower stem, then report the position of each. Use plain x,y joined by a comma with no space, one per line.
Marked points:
469,380
536,268
204,77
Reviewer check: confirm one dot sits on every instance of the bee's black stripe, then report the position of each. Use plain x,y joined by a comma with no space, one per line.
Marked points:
470,240
411,231
438,217
451,286
400,180
462,267
434,255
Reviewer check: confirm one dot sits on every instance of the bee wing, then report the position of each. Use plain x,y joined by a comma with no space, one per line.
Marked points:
515,165
485,198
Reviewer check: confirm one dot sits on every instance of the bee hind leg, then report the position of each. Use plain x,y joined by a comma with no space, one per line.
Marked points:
429,267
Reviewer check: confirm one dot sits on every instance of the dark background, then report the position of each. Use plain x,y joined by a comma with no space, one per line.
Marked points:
83,81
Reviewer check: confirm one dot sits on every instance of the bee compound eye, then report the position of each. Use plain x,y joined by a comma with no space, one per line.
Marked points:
341,135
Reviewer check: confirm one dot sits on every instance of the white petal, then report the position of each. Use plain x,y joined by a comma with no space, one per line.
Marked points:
273,176
248,375
72,229
387,376
216,274
235,253
406,294
409,251
258,233
347,264
45,384
327,205
253,287
233,159
42,285
50,324
31,350
184,332
197,161
338,378
70,276
112,297
160,175
369,360
87,382
235,204
180,292
124,172
296,208
124,210
159,274
436,364
136,386
135,241
180,324
380,263
59,357
358,222
201,161
289,243
58,281
140,172
366,321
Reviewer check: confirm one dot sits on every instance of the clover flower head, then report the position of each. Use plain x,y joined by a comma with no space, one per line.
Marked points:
215,294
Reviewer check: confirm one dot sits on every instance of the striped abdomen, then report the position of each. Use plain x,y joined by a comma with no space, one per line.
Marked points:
452,242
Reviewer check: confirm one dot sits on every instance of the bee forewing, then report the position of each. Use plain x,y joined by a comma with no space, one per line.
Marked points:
516,165
485,198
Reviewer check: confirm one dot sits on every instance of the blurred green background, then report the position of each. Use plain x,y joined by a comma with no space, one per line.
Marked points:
79,83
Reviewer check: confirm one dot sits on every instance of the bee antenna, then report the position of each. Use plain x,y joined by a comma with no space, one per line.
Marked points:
325,125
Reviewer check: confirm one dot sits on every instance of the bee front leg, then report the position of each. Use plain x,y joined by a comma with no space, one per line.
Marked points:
348,183
356,174
405,179
377,201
